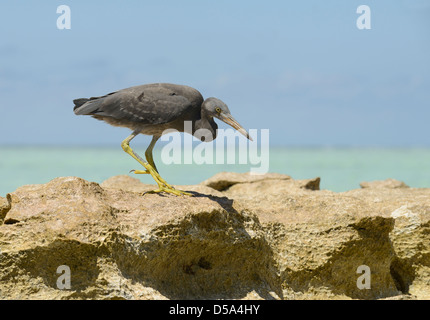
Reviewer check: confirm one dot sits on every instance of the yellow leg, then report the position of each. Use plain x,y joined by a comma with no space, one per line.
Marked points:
150,159
163,186
148,152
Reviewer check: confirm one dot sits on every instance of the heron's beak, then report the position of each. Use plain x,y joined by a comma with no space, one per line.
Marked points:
227,118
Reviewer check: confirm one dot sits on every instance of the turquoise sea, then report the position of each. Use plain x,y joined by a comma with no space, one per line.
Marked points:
340,169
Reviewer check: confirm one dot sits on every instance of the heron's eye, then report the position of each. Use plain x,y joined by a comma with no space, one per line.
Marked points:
218,110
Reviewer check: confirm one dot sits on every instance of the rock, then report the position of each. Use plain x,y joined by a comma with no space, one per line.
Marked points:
119,244
410,209
320,238
4,208
311,184
313,231
389,184
224,180
238,237
126,183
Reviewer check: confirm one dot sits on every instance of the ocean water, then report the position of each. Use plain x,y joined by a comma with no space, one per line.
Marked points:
340,169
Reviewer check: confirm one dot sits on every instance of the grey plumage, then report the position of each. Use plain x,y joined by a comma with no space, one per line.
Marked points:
146,104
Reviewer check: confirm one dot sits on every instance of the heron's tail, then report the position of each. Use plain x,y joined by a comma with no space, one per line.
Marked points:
86,106
80,102
89,106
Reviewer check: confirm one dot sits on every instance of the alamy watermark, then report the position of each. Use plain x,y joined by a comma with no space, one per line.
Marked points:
64,21
363,21
363,281
64,280
229,147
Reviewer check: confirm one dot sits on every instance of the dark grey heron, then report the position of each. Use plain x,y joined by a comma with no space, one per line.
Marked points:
151,109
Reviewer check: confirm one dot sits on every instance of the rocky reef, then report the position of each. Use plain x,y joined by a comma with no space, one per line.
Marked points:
240,236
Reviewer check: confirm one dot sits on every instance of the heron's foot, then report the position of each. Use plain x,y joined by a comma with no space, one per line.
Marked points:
171,190
163,186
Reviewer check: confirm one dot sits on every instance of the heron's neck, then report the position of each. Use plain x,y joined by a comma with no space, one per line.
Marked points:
206,122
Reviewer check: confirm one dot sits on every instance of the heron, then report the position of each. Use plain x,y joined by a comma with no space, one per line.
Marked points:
152,109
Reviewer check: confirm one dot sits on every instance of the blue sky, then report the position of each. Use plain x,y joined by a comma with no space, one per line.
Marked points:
299,68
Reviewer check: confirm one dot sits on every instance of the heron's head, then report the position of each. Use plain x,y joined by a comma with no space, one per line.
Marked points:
218,109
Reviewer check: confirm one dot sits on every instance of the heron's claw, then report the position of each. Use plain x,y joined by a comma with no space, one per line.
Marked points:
169,190
163,186
139,171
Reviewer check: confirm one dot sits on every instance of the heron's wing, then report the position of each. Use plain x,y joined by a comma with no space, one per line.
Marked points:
146,104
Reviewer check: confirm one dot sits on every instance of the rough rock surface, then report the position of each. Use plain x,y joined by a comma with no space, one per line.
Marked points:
389,183
239,237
